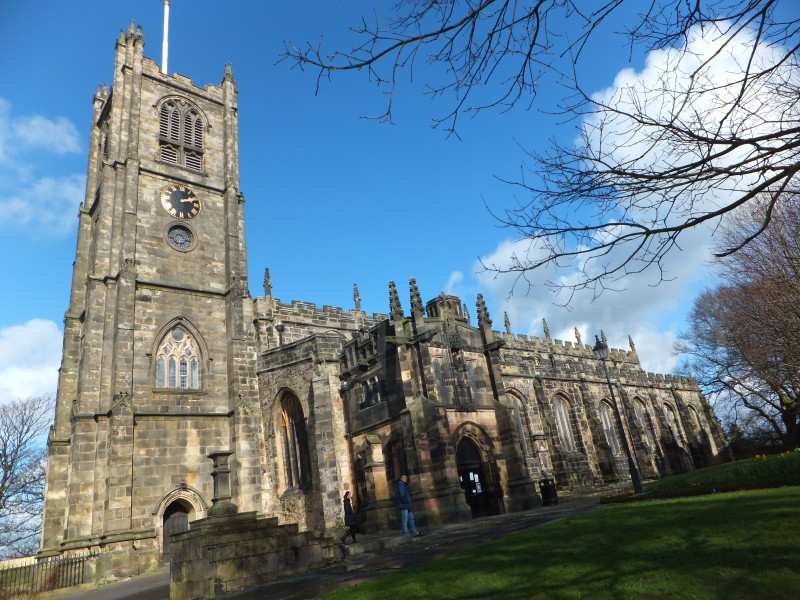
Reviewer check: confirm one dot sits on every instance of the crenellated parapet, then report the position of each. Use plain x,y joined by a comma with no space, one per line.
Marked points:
279,323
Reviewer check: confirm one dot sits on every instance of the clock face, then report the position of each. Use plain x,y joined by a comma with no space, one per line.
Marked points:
180,201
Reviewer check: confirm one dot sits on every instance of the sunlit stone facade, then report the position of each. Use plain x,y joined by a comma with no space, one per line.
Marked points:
168,359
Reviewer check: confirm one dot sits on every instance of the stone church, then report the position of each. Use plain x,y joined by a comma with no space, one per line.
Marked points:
172,370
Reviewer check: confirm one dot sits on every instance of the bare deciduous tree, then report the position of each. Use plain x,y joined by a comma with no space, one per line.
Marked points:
743,340
717,124
23,462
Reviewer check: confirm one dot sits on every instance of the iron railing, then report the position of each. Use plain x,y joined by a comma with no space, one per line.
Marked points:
42,576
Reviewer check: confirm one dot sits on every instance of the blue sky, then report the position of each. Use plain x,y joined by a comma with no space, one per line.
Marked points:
332,199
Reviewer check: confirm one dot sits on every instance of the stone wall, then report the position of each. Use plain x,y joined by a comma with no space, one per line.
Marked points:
224,554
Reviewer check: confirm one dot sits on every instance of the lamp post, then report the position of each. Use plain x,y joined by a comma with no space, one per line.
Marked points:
601,353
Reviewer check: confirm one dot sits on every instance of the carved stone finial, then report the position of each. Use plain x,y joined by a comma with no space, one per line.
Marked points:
466,312
630,342
134,33
417,310
507,322
603,337
546,329
578,338
356,297
395,308
483,313
267,284
228,76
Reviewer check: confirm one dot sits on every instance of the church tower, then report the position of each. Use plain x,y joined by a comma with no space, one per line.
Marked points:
159,360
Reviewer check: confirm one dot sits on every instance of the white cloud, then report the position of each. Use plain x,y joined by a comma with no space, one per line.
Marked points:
39,133
648,314
651,313
698,87
49,205
30,355
31,202
5,110
453,282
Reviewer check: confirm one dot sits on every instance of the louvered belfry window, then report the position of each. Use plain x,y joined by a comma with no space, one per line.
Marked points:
180,135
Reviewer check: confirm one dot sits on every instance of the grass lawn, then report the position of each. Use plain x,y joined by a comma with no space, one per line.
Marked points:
733,545
761,472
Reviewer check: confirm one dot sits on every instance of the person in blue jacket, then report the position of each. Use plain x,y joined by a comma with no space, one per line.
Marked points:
404,504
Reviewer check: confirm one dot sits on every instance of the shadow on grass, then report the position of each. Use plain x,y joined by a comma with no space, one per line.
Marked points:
733,545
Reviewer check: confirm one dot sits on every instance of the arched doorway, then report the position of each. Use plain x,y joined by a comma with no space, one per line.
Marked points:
176,520
478,479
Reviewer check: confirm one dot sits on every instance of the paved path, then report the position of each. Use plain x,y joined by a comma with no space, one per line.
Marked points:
373,556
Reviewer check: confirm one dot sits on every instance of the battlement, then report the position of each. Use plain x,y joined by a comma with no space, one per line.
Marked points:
134,38
151,69
301,309
537,344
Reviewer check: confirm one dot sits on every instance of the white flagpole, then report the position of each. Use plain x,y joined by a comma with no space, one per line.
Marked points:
165,45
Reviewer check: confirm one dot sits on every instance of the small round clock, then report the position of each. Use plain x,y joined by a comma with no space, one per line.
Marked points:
180,201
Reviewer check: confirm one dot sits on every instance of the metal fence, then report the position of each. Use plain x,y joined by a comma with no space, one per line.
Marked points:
42,576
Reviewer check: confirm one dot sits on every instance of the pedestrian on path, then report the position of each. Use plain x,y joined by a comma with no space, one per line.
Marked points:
350,520
404,504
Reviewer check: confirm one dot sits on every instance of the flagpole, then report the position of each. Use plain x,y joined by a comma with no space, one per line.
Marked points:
165,45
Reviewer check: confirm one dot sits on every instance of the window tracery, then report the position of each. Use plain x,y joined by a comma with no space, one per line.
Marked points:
294,444
672,422
609,431
372,392
642,418
695,418
178,361
563,425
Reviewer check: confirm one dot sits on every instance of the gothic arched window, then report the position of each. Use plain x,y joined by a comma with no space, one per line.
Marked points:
178,361
294,444
519,416
672,422
609,431
180,135
563,425
640,411
695,418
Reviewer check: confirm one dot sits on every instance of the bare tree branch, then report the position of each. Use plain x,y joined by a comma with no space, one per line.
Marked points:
23,463
743,342
718,126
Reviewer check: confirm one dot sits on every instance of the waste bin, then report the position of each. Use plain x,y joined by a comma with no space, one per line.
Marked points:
549,493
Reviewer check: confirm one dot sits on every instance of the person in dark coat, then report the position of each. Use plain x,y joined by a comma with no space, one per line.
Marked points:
350,520
404,504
